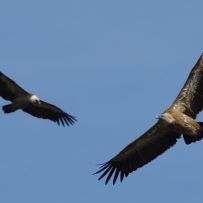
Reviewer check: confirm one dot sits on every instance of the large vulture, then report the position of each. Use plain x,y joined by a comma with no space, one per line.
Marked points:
177,120
30,103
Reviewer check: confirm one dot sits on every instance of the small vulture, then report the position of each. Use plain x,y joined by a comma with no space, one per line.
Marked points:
30,103
177,120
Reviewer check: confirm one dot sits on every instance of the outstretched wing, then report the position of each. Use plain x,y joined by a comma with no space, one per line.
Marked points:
190,98
138,153
51,112
9,90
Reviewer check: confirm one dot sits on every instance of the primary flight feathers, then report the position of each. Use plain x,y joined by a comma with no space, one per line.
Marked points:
30,103
178,119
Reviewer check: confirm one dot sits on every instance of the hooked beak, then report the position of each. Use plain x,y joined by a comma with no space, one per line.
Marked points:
159,117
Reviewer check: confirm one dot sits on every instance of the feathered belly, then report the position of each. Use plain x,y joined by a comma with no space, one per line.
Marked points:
186,125
20,102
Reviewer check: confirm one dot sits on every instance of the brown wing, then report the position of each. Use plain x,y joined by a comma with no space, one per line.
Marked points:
190,98
9,90
51,112
138,153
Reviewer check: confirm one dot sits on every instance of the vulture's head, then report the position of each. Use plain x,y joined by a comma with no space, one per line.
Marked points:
35,99
166,118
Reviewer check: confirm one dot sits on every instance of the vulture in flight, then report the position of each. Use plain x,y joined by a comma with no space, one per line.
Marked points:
179,119
30,103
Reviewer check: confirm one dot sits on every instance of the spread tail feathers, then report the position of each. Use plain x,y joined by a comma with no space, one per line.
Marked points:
190,139
8,108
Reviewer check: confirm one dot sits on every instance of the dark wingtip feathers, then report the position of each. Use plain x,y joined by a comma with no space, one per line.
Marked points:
108,169
66,119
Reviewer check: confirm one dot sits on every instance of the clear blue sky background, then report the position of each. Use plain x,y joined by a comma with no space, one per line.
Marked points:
113,64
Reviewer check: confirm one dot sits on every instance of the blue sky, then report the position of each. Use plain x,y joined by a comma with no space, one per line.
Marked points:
113,64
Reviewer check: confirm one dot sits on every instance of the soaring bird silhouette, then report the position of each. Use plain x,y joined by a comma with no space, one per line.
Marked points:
30,103
177,120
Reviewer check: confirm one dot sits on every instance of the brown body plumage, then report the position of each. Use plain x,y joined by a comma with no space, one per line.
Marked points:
177,120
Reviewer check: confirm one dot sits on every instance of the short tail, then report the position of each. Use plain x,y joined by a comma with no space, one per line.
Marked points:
190,139
8,108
